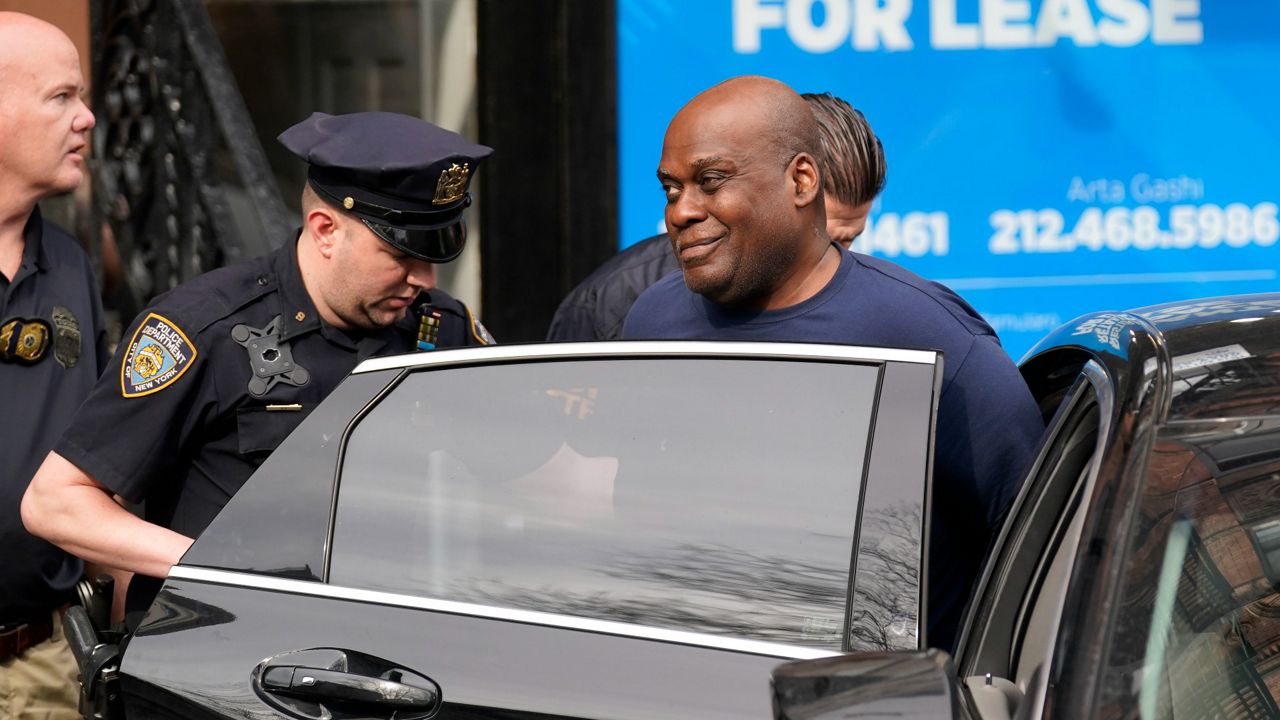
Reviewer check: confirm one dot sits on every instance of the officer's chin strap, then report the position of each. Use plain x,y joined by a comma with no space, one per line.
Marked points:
428,327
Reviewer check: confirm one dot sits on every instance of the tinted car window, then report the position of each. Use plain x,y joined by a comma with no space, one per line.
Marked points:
1200,618
277,523
701,494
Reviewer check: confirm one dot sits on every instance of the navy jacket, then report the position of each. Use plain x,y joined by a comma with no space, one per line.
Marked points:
598,305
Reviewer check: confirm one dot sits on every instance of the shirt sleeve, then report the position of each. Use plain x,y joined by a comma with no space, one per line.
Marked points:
146,408
988,430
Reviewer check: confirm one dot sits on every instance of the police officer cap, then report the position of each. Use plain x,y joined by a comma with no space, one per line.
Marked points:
404,177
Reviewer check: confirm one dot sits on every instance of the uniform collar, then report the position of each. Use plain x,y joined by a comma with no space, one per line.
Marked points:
33,254
298,315
34,257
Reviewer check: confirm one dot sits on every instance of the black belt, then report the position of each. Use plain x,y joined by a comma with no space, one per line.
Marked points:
18,638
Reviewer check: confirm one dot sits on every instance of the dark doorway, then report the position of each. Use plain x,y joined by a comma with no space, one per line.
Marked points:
548,106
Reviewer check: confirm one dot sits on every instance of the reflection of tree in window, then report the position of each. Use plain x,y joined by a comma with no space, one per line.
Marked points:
883,616
726,591
701,588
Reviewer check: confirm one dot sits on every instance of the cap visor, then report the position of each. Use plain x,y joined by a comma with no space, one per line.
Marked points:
437,245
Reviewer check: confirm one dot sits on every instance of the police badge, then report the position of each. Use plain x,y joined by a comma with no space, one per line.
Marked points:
23,340
66,339
452,185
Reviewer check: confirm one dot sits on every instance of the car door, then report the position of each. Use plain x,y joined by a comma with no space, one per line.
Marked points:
629,530
1008,645
1008,640
1138,575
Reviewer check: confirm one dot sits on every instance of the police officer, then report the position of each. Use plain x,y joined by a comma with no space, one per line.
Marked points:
215,373
52,347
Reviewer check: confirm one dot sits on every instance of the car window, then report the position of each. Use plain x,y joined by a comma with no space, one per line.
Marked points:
712,495
277,523
1199,619
885,611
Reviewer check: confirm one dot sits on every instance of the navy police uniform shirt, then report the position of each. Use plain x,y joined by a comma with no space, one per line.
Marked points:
988,425
189,406
52,347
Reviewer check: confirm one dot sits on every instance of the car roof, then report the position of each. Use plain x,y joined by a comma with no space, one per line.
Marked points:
1218,357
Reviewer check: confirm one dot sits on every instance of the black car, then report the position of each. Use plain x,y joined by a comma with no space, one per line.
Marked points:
1139,573
590,530
645,530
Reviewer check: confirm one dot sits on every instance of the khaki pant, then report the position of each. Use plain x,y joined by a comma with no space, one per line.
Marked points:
41,683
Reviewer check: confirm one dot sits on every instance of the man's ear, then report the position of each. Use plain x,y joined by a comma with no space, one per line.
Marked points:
324,225
806,179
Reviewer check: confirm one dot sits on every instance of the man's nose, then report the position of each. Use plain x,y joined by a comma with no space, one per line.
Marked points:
422,274
685,210
84,120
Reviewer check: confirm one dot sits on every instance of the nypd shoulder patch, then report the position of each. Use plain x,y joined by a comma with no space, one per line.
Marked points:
479,331
157,356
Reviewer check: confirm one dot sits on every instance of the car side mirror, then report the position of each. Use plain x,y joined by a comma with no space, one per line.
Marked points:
902,685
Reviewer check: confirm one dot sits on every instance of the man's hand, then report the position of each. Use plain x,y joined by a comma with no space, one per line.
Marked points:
70,509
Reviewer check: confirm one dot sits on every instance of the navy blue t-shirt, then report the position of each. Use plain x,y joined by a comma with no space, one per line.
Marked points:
988,423
54,293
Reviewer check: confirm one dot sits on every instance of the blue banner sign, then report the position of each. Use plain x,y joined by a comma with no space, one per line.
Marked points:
1046,157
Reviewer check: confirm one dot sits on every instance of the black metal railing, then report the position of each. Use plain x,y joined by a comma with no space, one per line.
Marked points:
180,181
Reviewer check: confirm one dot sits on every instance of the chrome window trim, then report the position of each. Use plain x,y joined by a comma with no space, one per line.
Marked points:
647,348
528,617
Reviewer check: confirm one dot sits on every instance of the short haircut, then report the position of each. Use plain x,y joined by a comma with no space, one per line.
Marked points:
850,155
311,200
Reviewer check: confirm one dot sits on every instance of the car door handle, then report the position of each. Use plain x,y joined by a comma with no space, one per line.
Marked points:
333,685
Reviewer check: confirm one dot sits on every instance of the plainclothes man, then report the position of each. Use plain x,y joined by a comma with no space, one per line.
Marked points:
745,212
52,347
853,174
